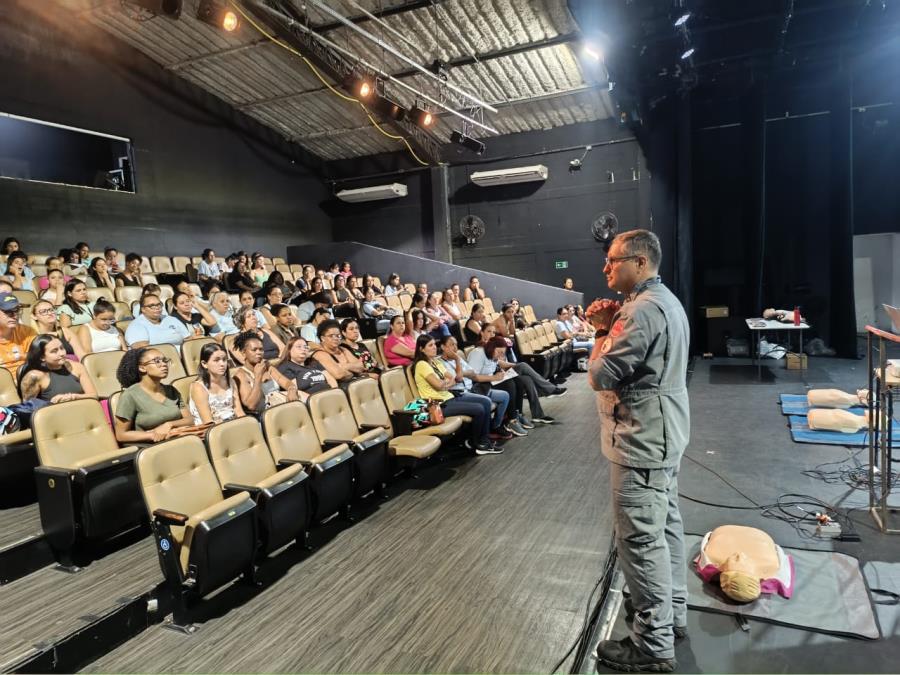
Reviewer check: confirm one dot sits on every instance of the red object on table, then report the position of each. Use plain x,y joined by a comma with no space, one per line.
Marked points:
796,316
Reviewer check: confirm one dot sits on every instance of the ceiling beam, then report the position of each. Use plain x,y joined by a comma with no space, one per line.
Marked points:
410,6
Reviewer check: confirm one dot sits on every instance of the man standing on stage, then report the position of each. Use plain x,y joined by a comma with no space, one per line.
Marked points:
639,373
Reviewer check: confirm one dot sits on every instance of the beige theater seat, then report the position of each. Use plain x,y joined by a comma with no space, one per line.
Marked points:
161,265
128,294
335,424
397,394
292,439
26,298
204,540
190,354
371,413
530,317
95,294
528,351
87,488
242,462
101,368
9,395
180,263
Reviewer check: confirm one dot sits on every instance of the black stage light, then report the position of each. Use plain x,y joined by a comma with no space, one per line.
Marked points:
421,117
359,87
218,15
389,108
472,144
169,8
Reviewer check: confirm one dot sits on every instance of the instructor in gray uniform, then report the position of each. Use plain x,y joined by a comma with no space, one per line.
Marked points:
639,373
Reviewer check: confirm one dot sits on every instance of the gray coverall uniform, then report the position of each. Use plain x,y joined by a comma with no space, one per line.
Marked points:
640,379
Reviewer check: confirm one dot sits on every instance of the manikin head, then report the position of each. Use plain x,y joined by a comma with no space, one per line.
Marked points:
738,578
632,259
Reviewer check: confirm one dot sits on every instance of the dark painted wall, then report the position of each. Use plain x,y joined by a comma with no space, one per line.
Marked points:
438,275
206,175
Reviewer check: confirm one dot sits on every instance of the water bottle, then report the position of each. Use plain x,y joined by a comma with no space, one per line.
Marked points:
797,315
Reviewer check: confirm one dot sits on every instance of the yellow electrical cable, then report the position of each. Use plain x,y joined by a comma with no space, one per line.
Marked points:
316,72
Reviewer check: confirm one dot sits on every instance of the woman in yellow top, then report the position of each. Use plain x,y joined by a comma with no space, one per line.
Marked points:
434,384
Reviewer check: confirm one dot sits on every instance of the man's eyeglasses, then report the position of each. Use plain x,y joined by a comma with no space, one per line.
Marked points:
12,313
158,361
621,258
155,305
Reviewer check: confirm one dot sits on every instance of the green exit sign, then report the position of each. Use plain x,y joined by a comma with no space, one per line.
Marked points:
562,264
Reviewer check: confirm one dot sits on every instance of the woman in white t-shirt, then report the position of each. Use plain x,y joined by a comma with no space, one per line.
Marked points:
100,333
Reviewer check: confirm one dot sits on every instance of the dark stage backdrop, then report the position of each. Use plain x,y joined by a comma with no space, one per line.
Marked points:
206,175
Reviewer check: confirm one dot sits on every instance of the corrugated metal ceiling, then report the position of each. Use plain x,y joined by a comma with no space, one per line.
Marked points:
533,88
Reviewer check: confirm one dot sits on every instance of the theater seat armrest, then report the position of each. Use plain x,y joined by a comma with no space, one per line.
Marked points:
285,463
329,443
234,488
370,427
167,517
53,471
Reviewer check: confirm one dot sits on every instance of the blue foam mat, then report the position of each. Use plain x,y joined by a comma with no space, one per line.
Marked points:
801,433
796,404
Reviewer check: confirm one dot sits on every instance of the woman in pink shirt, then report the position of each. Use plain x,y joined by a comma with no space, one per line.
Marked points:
399,346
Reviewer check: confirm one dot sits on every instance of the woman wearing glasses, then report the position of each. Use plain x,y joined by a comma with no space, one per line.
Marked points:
246,320
49,376
337,362
44,316
148,410
100,333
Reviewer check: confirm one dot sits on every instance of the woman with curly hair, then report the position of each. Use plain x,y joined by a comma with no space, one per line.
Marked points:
246,320
148,410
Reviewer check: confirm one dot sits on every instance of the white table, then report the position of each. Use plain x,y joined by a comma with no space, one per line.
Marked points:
761,326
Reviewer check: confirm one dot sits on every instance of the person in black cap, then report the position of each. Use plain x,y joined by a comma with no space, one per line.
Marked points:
15,338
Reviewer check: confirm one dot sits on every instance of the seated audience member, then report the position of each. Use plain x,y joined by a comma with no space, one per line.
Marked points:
569,284
472,330
148,289
307,274
339,362
470,385
579,320
148,410
399,345
346,272
473,291
288,290
438,319
746,561
334,270
317,287
316,301
11,245
84,252
75,309
258,270
52,264
565,330
369,282
152,328
295,365
45,321
131,275
457,298
519,315
239,280
393,285
417,323
213,398
246,320
506,322
209,271
259,384
353,344
15,338
196,318
72,264
247,299
99,276
49,376
434,384
284,323
111,255
100,333
309,331
16,270
422,289
354,289
372,309
343,303
56,288
448,304
226,267
274,296
221,310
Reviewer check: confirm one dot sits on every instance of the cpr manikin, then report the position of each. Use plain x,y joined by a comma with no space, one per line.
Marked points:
782,315
747,562
824,419
835,398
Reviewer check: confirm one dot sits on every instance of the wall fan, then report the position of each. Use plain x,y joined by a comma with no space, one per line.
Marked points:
471,228
604,228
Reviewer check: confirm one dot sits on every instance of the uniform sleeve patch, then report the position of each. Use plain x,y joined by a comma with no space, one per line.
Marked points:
607,343
617,328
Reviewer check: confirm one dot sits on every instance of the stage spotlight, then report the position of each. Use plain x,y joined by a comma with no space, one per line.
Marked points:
421,116
217,15
169,8
683,19
688,54
591,51
388,108
472,144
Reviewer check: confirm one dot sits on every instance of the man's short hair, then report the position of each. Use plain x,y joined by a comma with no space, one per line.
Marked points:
320,311
560,310
643,242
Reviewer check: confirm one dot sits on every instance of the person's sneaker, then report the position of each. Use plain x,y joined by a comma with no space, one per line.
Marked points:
556,393
501,433
488,448
524,422
543,419
516,429
624,655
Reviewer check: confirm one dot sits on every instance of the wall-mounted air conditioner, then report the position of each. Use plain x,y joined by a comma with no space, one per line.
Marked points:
522,174
371,194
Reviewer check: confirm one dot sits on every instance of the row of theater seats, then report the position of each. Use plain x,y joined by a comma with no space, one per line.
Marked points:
217,506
